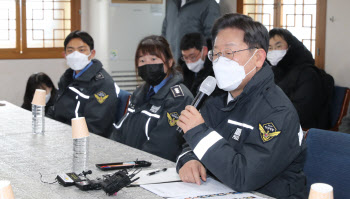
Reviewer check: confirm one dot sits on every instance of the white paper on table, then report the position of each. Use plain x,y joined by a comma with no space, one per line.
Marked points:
230,195
169,175
186,190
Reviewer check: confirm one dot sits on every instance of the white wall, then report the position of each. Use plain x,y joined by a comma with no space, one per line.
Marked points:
337,61
128,24
15,73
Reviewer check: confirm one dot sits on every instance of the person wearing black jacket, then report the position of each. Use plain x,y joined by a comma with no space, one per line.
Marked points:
250,137
155,106
296,74
194,61
85,89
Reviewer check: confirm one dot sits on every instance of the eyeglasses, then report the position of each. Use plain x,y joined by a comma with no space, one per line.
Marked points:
192,58
228,53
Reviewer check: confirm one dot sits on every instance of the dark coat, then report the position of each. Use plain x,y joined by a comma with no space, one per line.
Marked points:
299,78
194,16
253,143
95,91
151,125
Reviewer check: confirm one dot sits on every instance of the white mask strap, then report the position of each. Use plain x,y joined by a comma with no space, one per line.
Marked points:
248,62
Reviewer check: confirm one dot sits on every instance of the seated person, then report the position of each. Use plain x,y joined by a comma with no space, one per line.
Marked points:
300,80
194,62
85,89
155,106
39,81
345,123
250,137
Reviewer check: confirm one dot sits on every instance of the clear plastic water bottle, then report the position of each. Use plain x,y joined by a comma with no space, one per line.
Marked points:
80,154
38,119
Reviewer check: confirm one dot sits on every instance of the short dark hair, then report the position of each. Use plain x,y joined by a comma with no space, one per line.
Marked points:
82,35
157,46
284,33
255,34
193,40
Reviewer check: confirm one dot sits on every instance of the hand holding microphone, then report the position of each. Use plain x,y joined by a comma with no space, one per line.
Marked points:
190,117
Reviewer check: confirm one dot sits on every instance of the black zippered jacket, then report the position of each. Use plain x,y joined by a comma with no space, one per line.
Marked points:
93,94
151,125
301,81
254,143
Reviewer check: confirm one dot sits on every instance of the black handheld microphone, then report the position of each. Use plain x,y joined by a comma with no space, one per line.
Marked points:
207,87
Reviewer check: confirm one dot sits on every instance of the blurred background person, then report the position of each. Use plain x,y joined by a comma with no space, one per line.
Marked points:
155,106
295,72
194,61
39,81
186,16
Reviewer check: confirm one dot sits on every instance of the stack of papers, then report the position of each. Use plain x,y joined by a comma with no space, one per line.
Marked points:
210,189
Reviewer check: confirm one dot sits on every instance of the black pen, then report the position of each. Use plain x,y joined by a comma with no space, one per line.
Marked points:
154,172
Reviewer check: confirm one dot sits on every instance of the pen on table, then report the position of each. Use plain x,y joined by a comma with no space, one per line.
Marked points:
154,172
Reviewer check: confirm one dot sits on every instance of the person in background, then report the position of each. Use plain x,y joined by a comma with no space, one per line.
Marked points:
186,16
299,78
194,61
39,81
249,137
85,89
155,106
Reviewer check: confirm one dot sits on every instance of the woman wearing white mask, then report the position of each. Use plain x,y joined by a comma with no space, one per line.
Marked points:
39,81
296,74
85,89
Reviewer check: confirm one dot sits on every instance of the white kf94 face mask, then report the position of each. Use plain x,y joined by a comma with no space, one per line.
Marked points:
229,74
275,56
77,61
196,66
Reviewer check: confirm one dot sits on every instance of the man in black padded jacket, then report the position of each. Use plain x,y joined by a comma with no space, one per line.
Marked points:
250,137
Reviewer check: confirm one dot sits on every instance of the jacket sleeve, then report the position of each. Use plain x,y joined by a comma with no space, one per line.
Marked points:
164,131
101,115
209,17
256,162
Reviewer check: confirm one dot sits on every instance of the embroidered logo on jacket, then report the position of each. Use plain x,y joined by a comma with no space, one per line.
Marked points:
172,118
154,109
237,134
101,97
177,91
268,131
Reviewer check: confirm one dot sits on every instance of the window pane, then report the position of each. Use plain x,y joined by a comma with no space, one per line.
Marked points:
260,10
7,24
48,22
299,17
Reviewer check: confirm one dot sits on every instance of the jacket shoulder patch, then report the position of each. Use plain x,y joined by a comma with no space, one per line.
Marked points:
101,97
99,76
177,91
268,131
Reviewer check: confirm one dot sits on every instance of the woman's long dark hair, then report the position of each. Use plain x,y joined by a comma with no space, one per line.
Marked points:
37,81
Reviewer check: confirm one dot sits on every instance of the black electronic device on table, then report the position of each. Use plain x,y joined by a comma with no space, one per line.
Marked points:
123,165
